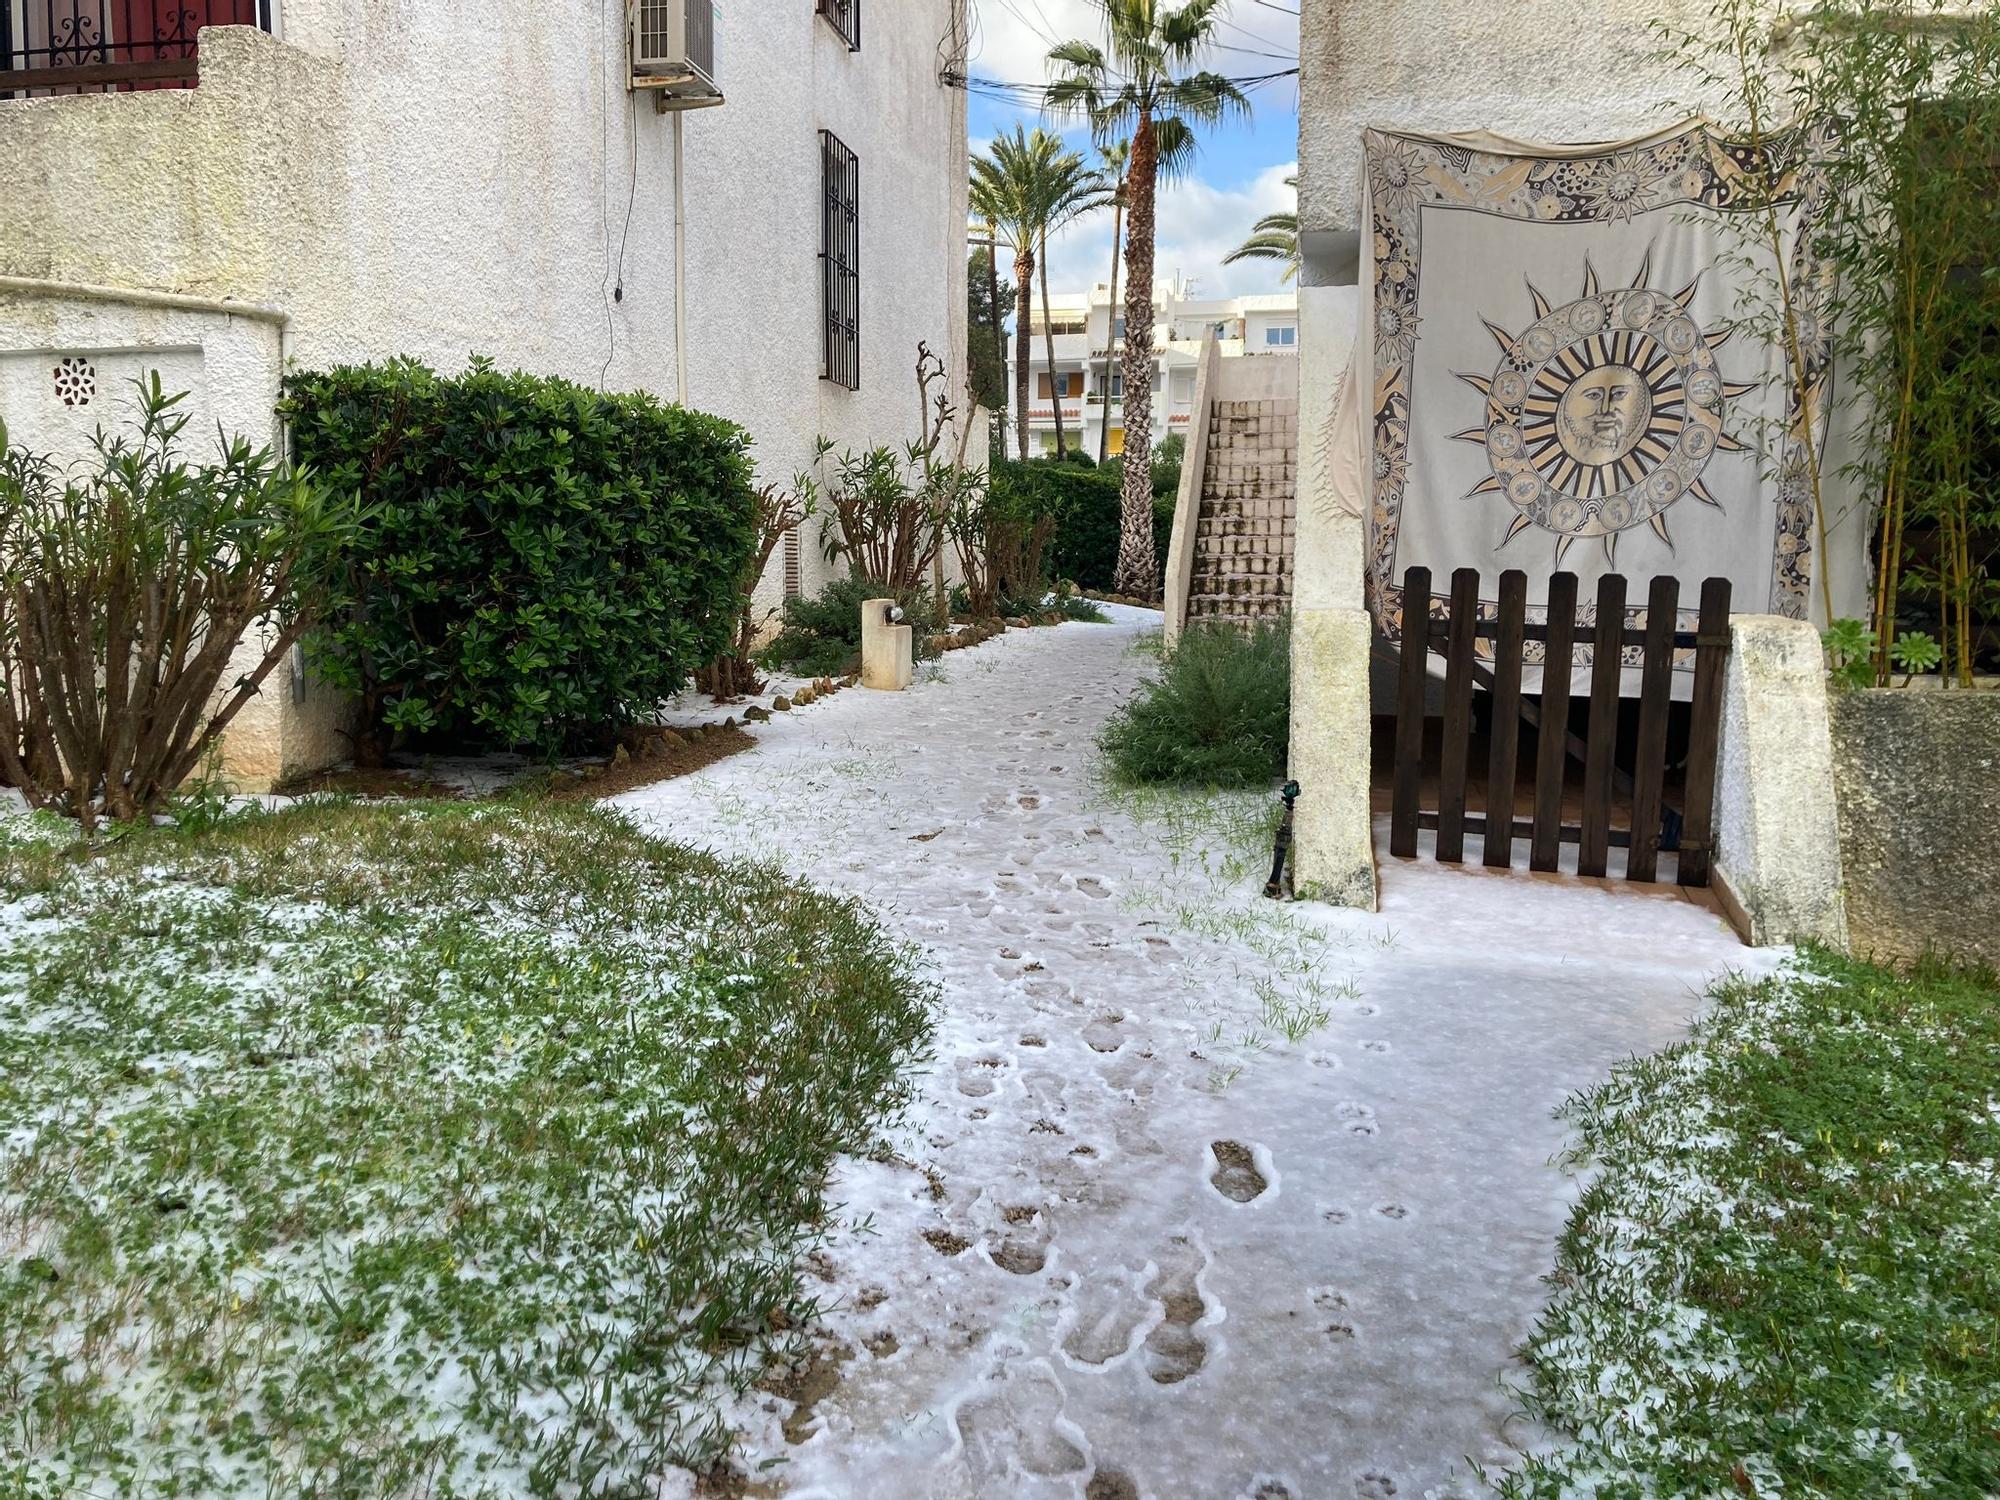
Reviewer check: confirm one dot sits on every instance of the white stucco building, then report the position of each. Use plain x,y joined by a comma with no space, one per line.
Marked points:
355,179
1089,346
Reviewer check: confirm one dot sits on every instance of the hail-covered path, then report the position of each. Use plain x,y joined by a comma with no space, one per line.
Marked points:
1204,1195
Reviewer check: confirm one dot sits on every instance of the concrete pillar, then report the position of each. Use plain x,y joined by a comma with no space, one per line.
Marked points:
887,650
1332,826
1777,830
1331,630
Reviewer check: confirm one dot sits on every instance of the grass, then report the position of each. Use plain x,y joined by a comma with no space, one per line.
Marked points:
1217,846
1785,1276
1076,607
435,1149
1216,716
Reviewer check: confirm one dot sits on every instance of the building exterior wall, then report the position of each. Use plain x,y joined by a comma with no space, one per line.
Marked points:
393,177
1092,363
1550,70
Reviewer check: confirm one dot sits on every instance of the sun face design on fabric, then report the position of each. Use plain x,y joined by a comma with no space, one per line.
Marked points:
1603,412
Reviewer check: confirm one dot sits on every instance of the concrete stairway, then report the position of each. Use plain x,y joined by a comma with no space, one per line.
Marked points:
1237,512
1242,565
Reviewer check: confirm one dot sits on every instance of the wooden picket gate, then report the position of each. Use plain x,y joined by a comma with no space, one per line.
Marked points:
1454,636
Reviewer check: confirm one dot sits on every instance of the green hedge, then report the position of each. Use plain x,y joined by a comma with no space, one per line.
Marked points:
1084,502
541,561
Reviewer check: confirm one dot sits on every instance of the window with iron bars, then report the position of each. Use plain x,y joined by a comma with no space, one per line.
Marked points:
840,261
844,16
110,46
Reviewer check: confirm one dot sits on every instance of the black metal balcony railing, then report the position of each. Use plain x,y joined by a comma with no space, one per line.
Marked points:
110,46
844,16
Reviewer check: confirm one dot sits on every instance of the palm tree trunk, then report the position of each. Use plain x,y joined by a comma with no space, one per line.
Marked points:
1138,569
1024,292
1111,330
1049,346
993,301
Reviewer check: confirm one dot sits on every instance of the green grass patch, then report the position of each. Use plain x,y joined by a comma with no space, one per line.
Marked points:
1218,714
435,1149
1785,1275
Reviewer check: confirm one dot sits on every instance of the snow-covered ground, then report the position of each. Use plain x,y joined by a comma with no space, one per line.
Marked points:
1156,1228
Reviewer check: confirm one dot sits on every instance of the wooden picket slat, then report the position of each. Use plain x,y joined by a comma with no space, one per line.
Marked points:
1497,842
1608,646
1656,691
1711,655
1457,715
1410,713
1545,849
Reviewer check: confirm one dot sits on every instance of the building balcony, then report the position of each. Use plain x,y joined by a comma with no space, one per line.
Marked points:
111,46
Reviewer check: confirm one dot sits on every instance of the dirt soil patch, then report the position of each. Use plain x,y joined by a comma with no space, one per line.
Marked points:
387,781
716,743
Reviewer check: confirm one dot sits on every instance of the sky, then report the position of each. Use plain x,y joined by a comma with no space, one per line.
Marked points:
1238,177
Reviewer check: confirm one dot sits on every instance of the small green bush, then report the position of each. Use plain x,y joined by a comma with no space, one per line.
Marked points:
1084,503
821,633
1167,460
543,561
1217,715
1076,607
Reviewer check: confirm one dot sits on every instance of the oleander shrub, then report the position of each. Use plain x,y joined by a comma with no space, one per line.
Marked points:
129,584
543,563
1218,715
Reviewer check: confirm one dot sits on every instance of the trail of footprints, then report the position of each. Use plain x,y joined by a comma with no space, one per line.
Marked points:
1154,1314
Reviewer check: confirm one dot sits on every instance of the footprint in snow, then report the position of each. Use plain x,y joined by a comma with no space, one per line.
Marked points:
1102,1034
1015,1423
1106,1318
1236,1175
1174,1351
977,1076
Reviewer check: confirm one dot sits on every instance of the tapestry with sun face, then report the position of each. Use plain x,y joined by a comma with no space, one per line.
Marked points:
1563,375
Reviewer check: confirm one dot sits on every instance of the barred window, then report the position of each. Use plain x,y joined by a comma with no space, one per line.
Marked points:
844,16
840,261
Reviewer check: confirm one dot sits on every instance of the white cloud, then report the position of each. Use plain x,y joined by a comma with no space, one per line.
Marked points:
1198,225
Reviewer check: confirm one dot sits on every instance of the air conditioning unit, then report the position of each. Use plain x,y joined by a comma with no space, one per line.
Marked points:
673,51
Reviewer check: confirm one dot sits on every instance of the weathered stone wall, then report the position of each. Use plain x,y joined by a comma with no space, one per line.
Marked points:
1917,773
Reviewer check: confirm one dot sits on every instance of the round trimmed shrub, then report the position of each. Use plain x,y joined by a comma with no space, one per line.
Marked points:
539,562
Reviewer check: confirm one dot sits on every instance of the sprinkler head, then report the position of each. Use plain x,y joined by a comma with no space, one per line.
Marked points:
1290,792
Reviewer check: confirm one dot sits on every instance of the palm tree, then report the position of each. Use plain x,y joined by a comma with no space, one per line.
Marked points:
1273,237
1025,183
1143,82
1116,156
1076,197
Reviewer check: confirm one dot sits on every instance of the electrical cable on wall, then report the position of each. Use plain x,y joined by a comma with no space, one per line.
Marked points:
624,234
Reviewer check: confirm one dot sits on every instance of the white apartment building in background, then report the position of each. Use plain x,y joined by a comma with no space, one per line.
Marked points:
1089,351
758,209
